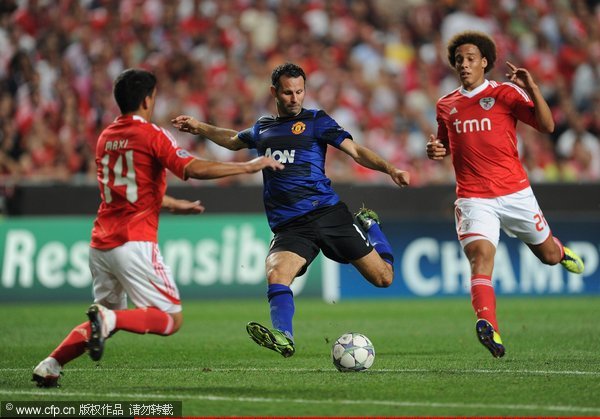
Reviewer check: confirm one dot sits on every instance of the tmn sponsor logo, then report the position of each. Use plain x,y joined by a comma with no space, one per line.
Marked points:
472,125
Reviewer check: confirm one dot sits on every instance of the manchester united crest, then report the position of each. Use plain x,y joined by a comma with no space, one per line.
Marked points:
298,128
487,103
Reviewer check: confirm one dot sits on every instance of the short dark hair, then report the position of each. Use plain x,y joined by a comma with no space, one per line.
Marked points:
287,69
486,46
131,87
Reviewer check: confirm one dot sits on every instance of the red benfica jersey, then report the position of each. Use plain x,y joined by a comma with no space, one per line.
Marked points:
479,127
131,156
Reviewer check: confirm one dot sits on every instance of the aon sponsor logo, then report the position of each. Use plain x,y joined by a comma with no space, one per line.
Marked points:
472,125
282,156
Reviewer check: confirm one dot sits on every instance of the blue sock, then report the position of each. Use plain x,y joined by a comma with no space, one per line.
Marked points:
380,243
281,300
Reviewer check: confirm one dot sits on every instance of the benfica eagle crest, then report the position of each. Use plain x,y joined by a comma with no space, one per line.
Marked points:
487,103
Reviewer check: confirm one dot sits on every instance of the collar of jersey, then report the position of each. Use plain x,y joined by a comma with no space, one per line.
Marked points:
134,117
283,118
475,91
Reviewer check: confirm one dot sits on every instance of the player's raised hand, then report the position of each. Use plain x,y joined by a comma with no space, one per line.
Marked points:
519,76
435,149
186,123
400,177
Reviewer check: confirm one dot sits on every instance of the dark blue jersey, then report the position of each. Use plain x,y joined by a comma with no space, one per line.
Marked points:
300,143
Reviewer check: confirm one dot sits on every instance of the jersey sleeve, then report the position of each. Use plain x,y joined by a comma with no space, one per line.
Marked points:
247,136
521,105
170,154
327,130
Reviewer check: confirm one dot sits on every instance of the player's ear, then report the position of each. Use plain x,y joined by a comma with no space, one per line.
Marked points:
146,102
484,62
273,91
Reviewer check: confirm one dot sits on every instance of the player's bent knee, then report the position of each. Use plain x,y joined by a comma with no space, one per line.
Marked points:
383,284
386,282
549,256
384,279
177,322
553,259
379,274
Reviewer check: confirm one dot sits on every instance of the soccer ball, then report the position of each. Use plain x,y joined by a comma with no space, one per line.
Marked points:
352,352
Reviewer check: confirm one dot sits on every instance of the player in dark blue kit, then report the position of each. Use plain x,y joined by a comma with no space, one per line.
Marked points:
304,212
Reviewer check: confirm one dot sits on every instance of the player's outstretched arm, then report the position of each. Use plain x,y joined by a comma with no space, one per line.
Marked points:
224,137
371,160
182,206
522,78
435,148
207,169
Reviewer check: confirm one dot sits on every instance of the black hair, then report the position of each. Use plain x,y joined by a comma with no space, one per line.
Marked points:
131,87
486,46
287,69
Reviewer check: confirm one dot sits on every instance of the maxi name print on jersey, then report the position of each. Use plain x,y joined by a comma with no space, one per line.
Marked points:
116,145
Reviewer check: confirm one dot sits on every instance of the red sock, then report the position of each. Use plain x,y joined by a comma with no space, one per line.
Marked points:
73,345
144,320
484,299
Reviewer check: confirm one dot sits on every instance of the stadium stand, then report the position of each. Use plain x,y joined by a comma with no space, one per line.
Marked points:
378,67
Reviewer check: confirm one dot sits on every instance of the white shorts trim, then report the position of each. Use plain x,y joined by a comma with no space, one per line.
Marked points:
135,270
518,214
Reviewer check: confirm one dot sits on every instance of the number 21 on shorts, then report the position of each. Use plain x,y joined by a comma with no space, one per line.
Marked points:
540,221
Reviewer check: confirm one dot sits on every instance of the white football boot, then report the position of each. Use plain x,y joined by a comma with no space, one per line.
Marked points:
47,373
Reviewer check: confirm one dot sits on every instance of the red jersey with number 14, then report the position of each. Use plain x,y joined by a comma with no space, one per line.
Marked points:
479,127
131,156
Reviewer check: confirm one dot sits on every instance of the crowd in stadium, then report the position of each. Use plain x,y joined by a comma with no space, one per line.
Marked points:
377,67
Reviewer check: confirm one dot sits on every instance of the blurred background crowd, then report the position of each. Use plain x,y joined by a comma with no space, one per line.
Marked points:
376,66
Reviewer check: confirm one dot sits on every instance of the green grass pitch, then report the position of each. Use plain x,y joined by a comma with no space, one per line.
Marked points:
428,361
